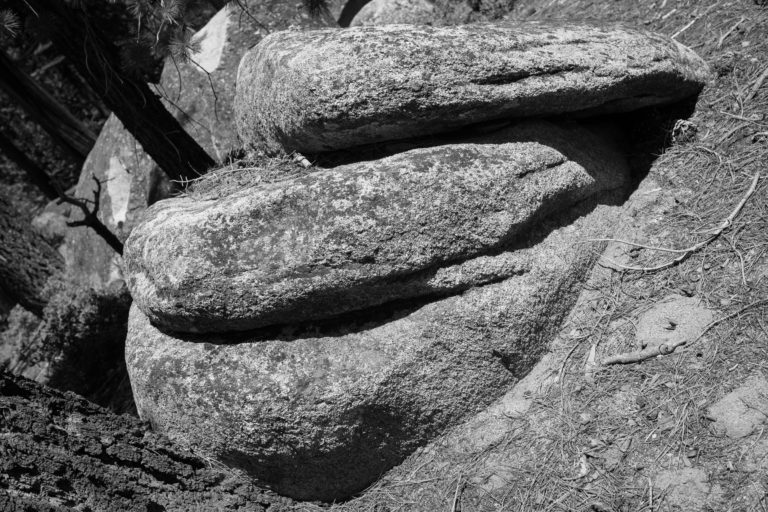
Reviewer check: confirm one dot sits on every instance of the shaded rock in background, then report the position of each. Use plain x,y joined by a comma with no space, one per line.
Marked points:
18,346
200,94
51,223
319,412
6,305
387,12
130,181
743,410
77,345
331,89
363,234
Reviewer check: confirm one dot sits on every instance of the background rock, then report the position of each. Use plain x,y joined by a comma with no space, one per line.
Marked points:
51,223
387,12
130,180
330,89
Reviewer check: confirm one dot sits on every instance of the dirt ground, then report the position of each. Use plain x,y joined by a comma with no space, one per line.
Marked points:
686,430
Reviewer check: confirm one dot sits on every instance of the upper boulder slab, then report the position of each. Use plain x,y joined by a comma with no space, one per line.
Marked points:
363,234
331,89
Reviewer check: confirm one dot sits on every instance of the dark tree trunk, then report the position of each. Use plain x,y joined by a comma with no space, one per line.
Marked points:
351,8
57,451
142,113
27,261
36,175
52,116
70,73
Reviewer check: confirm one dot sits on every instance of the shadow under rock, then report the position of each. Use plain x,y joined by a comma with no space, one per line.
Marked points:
643,134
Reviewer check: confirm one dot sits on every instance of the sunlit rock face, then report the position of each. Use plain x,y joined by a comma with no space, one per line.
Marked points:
316,328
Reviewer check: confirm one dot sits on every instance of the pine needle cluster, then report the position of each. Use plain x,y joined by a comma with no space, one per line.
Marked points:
10,24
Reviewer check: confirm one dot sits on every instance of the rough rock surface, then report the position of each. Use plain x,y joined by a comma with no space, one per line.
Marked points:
60,452
329,89
51,223
319,411
362,234
388,12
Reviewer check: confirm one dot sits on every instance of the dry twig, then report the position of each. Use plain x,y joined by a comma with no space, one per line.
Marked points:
758,84
685,253
90,210
664,349
456,506
729,32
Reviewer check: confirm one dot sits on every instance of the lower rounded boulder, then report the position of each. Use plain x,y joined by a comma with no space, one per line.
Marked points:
319,411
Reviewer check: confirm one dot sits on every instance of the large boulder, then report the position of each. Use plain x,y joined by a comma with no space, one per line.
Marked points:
320,411
362,234
323,90
312,329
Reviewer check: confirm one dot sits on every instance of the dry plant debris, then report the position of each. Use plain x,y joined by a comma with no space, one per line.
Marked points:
687,252
667,348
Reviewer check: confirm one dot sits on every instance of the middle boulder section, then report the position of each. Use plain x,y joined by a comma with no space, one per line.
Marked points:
364,234
333,89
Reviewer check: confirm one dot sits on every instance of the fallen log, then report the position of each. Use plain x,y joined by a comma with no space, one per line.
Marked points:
57,450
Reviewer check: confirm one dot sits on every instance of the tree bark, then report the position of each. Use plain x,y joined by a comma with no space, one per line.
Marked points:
57,451
139,109
27,261
351,8
36,175
52,116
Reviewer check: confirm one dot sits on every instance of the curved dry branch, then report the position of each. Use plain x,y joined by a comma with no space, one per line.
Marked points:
668,348
687,252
